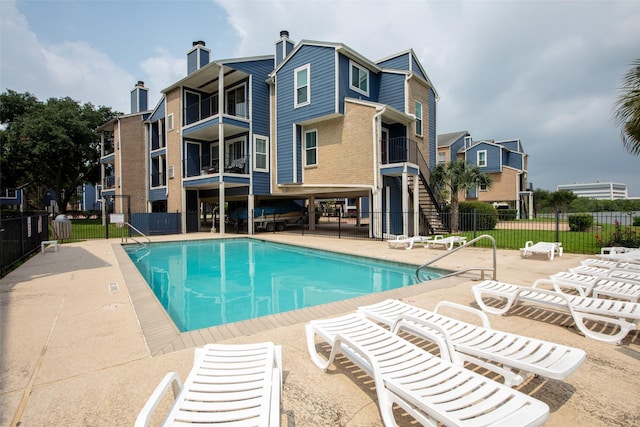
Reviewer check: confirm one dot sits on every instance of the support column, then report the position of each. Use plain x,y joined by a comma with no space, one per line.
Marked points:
416,206
311,210
250,206
222,209
376,199
405,203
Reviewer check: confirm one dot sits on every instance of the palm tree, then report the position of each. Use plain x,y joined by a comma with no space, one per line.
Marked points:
458,176
627,114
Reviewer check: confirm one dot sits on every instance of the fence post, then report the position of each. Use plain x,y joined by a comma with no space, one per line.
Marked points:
475,223
558,225
339,223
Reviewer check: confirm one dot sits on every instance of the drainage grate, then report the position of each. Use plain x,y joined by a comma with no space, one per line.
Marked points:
114,288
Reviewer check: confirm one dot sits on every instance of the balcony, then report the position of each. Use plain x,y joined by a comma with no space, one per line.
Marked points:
202,166
109,182
208,107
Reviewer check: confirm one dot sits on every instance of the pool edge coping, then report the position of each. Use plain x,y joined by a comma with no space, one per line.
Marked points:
161,335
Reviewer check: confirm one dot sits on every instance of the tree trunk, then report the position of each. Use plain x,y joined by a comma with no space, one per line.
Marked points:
454,213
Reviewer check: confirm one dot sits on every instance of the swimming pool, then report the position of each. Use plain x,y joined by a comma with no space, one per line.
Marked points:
207,283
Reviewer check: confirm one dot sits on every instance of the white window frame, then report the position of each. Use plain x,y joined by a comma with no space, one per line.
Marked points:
211,157
256,153
236,88
419,121
306,150
478,162
442,157
306,68
482,187
170,122
360,68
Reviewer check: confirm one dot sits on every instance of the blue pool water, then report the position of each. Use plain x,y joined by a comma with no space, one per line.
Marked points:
212,282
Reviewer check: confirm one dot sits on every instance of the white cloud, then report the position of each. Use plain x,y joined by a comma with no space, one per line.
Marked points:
162,70
73,68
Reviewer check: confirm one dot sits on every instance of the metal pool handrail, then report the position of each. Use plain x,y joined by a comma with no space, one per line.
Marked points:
456,273
140,233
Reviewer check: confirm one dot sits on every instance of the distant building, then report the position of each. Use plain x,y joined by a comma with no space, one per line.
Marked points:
597,190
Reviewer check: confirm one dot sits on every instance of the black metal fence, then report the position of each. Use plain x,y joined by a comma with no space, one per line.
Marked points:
582,233
20,238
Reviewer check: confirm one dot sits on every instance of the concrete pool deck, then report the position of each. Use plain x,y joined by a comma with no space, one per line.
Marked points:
83,344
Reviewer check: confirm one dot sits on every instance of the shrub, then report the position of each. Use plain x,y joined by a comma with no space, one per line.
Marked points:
636,221
622,236
486,216
507,214
580,222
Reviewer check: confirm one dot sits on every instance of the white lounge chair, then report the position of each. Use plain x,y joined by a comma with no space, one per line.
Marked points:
513,356
403,241
448,242
236,385
596,286
612,265
620,275
430,389
579,307
550,249
620,254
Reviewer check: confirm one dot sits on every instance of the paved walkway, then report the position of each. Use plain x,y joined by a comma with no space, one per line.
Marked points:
83,344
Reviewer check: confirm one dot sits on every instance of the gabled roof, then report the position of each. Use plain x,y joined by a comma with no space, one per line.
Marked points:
412,54
339,47
445,140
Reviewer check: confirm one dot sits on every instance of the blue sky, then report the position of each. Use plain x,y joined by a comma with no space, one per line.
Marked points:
545,71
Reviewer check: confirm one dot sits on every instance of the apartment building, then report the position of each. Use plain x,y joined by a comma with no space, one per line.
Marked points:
313,120
504,161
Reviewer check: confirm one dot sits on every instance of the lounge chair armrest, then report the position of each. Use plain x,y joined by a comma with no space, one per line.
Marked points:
528,243
429,331
557,287
483,317
170,379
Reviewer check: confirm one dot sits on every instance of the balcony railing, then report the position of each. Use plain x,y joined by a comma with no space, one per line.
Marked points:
401,149
199,166
208,107
109,182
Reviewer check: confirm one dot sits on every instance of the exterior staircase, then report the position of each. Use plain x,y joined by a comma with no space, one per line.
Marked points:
430,217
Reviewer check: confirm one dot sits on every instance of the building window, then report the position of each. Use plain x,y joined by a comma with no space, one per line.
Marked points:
301,83
482,187
236,102
261,153
442,157
359,78
418,118
170,122
482,158
311,148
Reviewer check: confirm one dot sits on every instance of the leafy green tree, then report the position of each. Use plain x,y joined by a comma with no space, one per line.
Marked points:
627,113
50,145
560,200
540,200
458,176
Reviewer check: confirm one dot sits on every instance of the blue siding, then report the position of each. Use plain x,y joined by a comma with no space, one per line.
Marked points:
455,147
157,194
415,67
344,83
513,159
433,138
392,90
511,145
261,184
398,63
494,156
160,111
322,81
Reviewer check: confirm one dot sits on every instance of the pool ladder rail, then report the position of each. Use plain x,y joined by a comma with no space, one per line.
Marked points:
457,273
142,244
